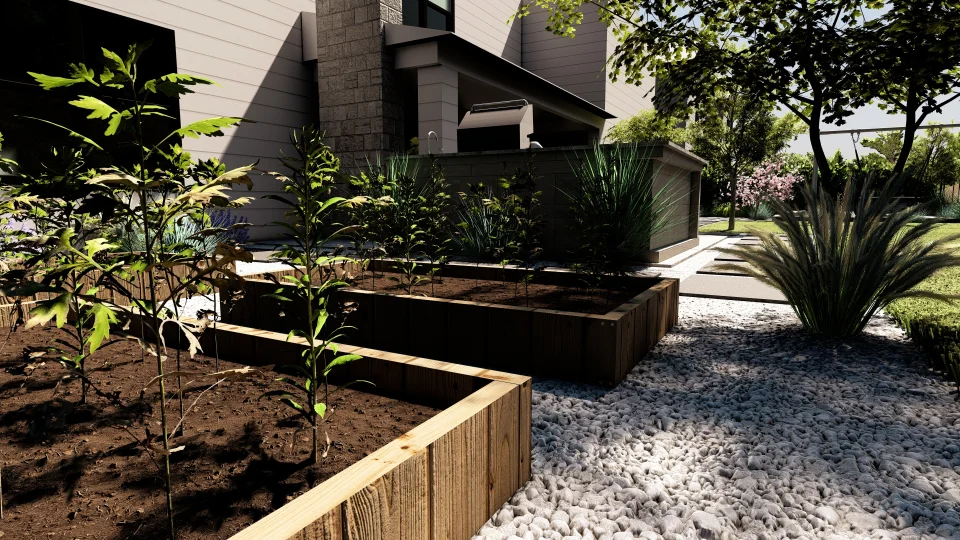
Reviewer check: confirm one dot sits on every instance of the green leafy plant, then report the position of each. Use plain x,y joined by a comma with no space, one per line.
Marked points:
844,259
616,208
403,217
308,195
67,212
6,165
148,194
484,231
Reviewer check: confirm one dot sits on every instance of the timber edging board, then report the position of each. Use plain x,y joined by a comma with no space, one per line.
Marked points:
441,480
600,349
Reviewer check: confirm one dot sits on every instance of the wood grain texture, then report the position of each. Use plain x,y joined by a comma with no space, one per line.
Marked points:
557,343
510,345
435,386
328,527
504,464
362,318
507,338
458,467
393,506
467,331
427,328
391,316
603,355
526,430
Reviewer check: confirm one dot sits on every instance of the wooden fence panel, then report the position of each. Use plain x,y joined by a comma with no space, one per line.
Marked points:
468,330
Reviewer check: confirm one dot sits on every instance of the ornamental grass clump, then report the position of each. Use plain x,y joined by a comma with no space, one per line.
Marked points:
844,259
616,206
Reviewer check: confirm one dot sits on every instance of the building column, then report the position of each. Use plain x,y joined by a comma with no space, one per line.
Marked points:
438,109
360,108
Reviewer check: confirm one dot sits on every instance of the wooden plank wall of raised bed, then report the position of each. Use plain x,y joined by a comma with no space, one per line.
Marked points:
598,349
441,480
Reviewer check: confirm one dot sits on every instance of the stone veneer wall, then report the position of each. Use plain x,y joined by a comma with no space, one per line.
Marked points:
360,108
674,167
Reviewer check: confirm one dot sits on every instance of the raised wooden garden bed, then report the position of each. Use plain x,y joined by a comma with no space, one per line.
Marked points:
442,479
583,347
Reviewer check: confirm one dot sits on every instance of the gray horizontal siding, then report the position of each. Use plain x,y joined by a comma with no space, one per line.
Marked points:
252,48
573,64
484,23
624,99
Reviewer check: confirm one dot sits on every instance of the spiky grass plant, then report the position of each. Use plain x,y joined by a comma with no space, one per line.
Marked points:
616,205
844,259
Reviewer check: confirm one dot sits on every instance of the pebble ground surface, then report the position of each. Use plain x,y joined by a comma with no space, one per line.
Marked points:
740,426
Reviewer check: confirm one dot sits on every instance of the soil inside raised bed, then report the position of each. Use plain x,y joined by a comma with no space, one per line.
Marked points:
79,471
597,301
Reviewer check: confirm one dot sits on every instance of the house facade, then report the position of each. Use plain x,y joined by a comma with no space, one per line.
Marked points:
392,70
459,75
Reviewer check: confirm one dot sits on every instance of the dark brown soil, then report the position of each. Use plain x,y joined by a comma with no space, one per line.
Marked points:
82,471
575,299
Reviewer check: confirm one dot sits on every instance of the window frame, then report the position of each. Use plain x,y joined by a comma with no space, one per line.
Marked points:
423,7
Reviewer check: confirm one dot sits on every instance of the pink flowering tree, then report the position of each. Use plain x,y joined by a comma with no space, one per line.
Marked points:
769,181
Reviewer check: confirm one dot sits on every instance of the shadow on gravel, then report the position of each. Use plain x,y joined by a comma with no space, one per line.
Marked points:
831,412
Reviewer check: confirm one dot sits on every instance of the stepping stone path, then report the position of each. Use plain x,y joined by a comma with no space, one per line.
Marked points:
741,426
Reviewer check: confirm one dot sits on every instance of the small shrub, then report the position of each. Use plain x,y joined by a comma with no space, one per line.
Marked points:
950,211
402,217
501,223
770,181
308,193
616,209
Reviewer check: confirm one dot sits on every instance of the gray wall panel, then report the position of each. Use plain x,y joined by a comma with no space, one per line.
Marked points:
485,24
252,48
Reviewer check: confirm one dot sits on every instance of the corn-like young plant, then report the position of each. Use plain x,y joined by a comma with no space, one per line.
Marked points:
149,194
843,259
308,195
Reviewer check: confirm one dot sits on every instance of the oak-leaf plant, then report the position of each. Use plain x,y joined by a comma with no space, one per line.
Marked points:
148,194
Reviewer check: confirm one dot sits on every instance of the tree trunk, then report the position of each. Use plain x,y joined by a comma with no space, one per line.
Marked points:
819,155
909,134
733,201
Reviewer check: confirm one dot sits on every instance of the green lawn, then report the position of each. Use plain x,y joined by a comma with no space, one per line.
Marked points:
934,323
741,227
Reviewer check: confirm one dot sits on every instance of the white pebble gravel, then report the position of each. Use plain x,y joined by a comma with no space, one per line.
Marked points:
740,426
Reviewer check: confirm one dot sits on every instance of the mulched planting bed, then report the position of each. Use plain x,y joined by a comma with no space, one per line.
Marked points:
584,299
78,471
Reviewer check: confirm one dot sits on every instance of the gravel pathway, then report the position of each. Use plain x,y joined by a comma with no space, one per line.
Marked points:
740,426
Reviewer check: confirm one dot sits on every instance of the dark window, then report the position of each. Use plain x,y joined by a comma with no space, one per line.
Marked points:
436,14
45,36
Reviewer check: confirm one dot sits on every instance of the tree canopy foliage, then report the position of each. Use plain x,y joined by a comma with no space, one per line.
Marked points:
650,126
820,60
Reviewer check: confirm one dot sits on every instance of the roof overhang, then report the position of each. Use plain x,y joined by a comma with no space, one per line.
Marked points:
421,47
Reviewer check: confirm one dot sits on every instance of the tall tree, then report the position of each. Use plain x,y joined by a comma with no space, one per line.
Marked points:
821,60
736,132
911,62
888,144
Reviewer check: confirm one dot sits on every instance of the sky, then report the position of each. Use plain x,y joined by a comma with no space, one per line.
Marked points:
868,117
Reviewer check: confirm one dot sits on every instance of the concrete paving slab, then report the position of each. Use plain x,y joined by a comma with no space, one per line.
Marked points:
730,288
715,268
